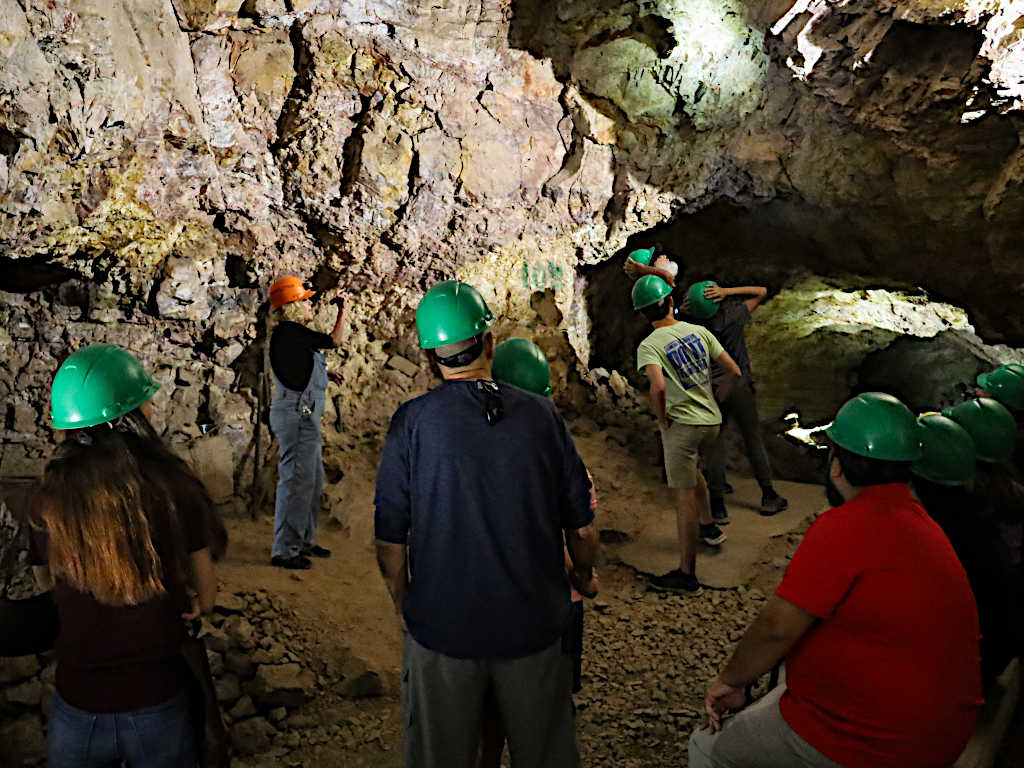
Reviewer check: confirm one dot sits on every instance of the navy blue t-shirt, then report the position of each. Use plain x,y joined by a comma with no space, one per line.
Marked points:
483,510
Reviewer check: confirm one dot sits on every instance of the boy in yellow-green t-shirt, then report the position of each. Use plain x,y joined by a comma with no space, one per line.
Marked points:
677,358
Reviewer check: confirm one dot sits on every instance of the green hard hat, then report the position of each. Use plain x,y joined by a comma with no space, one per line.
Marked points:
949,454
450,312
701,307
990,425
98,384
648,290
522,364
878,426
1005,384
643,256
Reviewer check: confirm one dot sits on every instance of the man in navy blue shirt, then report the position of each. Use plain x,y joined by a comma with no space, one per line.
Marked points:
479,485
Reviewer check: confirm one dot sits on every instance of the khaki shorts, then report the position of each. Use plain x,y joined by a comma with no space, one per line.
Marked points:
683,444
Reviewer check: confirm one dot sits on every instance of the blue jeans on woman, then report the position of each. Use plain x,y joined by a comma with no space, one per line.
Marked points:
153,737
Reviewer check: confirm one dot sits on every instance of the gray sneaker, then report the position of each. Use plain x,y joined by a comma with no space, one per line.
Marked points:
711,534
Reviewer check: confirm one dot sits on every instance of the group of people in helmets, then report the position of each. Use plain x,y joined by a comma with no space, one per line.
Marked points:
485,536
877,620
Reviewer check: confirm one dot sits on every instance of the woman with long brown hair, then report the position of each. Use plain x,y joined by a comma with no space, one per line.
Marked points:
126,537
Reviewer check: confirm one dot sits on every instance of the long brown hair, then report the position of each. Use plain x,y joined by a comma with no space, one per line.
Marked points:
110,500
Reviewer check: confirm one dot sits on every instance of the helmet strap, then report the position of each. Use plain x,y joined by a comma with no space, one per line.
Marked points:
465,357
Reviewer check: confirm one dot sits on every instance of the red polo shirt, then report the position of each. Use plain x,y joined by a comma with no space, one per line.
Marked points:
890,676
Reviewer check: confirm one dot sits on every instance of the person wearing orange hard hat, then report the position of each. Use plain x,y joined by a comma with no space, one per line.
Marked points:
300,394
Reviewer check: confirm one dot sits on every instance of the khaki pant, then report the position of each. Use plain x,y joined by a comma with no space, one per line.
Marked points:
757,737
683,445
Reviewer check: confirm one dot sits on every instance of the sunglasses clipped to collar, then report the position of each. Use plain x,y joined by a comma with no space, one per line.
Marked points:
494,409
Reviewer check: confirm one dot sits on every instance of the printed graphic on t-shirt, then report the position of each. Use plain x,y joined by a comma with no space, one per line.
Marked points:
690,359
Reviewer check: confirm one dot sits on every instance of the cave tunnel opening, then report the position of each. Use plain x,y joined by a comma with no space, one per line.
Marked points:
841,318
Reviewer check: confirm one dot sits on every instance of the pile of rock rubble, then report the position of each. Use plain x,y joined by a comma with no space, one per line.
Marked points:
264,671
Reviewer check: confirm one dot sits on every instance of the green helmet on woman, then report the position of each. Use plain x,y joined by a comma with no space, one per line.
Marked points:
98,384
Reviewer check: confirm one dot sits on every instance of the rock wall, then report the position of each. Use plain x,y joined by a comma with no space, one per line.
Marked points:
161,161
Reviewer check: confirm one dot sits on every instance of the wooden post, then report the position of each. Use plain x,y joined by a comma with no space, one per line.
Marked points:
257,492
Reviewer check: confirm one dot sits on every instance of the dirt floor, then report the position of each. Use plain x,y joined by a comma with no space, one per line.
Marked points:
647,656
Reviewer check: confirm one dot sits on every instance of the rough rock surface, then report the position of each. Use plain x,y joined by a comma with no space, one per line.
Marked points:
161,162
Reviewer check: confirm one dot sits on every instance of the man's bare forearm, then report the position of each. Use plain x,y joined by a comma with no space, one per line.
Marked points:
658,405
776,629
755,656
582,546
746,290
393,564
338,331
726,387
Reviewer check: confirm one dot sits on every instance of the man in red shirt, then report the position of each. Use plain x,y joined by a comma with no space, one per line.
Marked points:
874,618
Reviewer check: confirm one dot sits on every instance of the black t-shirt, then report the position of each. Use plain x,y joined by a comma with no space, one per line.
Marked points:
483,509
121,658
291,353
727,325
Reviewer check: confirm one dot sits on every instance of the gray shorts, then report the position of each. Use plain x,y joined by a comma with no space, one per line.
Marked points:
443,701
683,445
757,736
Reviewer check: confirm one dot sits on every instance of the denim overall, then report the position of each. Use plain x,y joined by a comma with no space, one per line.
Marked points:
296,419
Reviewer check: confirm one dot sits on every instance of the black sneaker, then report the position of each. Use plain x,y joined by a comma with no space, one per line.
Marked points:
676,581
316,551
719,514
711,534
772,503
294,563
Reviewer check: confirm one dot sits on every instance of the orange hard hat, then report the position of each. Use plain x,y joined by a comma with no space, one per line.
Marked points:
285,290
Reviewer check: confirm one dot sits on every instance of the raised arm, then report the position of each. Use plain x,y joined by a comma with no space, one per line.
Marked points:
636,270
755,292
339,321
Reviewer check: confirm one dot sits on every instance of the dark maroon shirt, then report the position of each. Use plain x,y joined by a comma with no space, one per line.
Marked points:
121,658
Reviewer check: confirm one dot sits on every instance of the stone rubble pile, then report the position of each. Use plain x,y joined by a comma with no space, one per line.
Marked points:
264,672
647,659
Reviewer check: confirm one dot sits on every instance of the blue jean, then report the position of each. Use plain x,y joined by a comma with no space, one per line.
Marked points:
153,737
296,419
